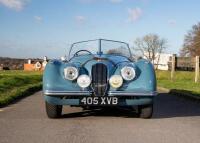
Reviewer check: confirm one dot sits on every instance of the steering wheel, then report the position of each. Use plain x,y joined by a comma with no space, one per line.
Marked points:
76,54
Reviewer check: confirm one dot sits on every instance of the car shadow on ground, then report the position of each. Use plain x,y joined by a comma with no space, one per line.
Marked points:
104,112
165,106
169,106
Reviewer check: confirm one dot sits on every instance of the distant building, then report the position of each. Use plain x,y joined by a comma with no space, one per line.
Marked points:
35,65
161,61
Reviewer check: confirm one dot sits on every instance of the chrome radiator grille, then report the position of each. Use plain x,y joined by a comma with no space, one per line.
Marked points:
99,79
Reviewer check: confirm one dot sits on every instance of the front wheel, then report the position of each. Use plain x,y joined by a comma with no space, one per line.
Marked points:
145,111
53,111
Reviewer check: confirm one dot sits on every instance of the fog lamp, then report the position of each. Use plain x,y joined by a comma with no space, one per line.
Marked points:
116,81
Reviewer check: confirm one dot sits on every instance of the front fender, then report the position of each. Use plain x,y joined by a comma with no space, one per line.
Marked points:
53,78
145,80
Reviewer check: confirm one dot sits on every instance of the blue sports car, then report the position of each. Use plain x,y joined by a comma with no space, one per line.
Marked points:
99,73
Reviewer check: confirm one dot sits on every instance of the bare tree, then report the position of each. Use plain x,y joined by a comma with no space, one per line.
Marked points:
191,46
151,46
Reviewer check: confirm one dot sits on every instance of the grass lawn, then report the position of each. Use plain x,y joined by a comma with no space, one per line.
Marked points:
184,81
15,84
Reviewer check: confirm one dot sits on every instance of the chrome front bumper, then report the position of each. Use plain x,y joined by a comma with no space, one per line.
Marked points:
120,93
88,93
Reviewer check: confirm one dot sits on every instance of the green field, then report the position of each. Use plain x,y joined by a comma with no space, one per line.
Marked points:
16,84
183,82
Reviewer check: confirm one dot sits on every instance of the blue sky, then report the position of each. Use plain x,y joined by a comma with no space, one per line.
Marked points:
35,28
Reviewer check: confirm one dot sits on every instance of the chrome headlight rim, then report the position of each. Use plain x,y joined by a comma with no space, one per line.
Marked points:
71,73
84,81
128,73
114,79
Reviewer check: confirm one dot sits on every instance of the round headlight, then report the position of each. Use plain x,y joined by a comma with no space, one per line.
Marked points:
84,81
71,73
116,81
128,73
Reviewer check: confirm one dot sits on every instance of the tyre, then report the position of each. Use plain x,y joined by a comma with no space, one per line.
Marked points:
145,111
53,111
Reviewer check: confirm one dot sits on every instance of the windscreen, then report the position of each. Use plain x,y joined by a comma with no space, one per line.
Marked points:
100,47
115,48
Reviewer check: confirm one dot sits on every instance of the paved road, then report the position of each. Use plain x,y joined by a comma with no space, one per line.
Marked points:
175,120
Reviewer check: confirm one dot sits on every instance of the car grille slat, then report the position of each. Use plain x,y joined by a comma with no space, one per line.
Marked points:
99,79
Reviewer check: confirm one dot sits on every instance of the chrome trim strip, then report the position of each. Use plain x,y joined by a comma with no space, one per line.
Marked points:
72,93
111,93
119,93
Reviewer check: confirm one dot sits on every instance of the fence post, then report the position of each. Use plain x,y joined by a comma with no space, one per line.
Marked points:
196,69
173,66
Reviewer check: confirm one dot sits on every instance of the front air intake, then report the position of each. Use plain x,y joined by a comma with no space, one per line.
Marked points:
99,79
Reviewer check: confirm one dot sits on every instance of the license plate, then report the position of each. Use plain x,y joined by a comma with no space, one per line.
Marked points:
99,101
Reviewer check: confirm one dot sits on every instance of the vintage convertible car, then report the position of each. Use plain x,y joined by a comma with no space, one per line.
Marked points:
99,73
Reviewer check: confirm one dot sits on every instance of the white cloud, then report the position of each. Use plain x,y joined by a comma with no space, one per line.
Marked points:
38,18
80,19
172,22
14,4
134,14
